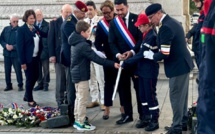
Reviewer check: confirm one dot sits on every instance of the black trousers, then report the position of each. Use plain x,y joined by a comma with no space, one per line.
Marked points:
148,97
44,74
110,79
8,62
70,88
32,75
124,89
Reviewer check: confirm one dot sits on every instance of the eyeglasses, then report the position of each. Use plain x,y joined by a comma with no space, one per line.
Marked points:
106,13
150,17
15,21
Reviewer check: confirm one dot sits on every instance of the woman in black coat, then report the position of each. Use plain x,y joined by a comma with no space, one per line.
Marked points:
28,48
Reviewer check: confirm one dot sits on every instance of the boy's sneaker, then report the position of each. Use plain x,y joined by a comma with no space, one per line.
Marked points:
85,127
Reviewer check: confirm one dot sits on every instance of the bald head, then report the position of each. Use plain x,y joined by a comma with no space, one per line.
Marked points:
66,10
39,15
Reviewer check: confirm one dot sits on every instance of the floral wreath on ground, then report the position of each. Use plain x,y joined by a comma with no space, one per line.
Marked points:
20,117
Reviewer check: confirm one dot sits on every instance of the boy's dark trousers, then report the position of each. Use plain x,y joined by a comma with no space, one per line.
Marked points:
147,93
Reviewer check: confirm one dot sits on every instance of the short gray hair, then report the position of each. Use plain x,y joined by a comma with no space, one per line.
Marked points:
14,16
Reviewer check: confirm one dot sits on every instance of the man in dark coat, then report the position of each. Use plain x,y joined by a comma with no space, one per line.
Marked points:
206,100
54,46
67,28
122,49
8,42
44,75
177,62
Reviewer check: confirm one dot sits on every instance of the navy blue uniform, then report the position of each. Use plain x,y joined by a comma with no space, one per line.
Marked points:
206,100
197,35
147,71
67,27
195,44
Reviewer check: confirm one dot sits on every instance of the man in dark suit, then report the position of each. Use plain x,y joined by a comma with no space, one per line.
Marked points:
44,75
122,49
54,45
177,62
67,27
8,42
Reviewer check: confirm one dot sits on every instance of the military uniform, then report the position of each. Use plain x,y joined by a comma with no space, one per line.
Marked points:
206,100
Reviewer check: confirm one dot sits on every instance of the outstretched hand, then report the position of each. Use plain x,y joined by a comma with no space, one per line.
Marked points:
117,65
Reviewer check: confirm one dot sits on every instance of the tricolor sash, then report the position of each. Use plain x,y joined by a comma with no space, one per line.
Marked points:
124,32
105,25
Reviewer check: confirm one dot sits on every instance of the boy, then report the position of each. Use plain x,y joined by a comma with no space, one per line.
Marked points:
81,55
147,73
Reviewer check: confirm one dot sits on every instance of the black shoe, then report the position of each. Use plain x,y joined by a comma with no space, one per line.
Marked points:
153,125
167,128
171,131
8,88
20,89
33,105
25,99
105,117
45,89
38,88
142,123
124,119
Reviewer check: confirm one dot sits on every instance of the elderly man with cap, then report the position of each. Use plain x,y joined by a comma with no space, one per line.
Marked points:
147,72
123,45
67,28
177,61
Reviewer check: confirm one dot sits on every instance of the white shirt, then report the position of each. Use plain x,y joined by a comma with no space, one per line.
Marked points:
36,45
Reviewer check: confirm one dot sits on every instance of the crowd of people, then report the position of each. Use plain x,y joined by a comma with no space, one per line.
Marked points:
87,50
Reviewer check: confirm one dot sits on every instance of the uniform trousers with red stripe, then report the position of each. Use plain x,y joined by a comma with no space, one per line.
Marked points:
147,92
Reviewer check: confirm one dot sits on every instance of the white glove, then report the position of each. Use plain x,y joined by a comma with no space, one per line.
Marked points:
100,54
148,54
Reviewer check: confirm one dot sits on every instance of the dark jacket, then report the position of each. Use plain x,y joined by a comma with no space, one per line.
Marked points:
101,42
25,43
192,33
81,55
67,28
45,51
54,38
208,52
8,36
146,68
117,42
173,49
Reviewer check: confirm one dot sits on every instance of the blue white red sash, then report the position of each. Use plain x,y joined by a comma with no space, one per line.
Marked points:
124,32
105,25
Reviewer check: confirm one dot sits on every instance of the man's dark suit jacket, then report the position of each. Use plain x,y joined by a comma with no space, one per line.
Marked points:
54,38
67,28
25,43
171,36
117,42
45,51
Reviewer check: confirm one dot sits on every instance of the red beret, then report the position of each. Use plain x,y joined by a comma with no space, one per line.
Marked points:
80,5
142,19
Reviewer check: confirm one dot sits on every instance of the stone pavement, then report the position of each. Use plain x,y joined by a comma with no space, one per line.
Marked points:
94,114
